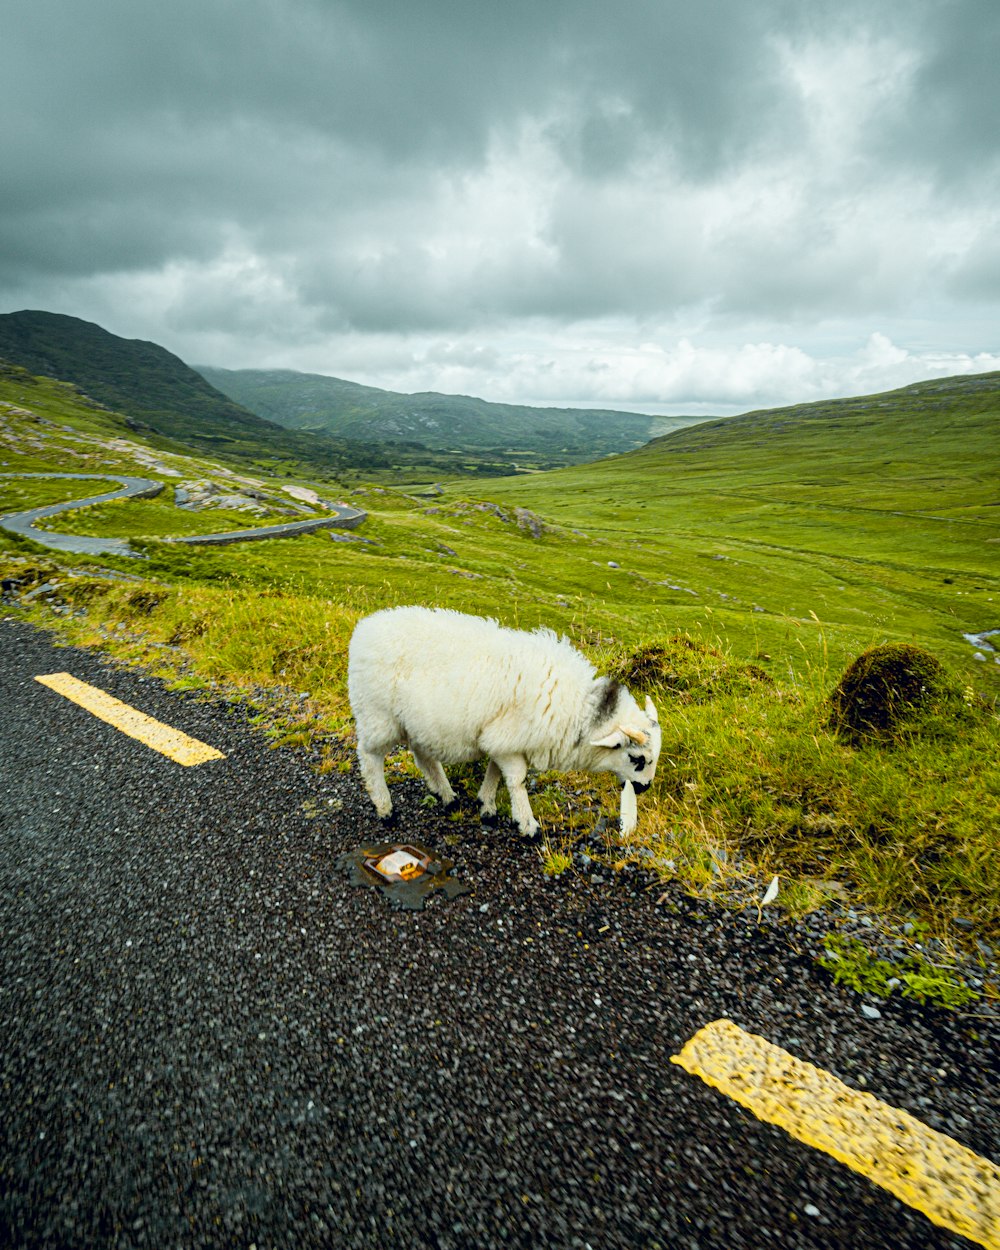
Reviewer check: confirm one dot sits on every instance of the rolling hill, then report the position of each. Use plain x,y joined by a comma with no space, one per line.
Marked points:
924,457
316,423
732,571
876,513
316,402
162,396
921,411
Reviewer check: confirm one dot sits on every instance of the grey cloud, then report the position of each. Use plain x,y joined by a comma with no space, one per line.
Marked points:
330,144
953,114
402,79
699,81
976,276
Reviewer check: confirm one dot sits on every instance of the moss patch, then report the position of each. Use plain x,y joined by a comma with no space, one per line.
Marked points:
886,689
685,669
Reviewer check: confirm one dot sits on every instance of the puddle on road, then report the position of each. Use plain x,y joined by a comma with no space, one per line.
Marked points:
406,872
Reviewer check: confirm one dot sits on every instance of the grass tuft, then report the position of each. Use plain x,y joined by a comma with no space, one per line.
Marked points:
852,964
554,861
885,691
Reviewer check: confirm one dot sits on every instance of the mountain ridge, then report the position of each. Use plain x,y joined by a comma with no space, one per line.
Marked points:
160,394
428,436
322,402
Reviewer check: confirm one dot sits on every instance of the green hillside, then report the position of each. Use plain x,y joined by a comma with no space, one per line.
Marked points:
171,404
305,401
879,514
732,571
176,408
858,520
140,379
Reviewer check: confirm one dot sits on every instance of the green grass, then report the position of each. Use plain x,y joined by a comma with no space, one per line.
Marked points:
145,520
554,861
757,772
756,559
20,495
852,964
882,521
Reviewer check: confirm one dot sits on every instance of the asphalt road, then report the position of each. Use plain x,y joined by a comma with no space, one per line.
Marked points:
24,523
211,1038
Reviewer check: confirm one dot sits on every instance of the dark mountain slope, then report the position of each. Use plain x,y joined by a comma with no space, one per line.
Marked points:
158,390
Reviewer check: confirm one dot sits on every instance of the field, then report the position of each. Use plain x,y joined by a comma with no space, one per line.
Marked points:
733,570
874,522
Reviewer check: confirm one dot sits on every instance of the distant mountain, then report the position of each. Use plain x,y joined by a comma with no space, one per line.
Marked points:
316,402
316,423
160,393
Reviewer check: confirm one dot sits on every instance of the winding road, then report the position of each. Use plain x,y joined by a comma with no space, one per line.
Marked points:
25,523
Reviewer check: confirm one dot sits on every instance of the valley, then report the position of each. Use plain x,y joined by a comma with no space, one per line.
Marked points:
513,436
732,570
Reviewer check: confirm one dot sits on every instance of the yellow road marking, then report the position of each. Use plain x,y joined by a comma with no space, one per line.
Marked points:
170,742
951,1185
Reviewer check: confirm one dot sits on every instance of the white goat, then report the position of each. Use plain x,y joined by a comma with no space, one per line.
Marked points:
454,688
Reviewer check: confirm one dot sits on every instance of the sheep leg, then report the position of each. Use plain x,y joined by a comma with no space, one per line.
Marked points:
435,777
373,774
488,794
515,769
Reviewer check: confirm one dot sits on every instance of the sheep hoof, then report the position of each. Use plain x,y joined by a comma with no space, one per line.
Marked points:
451,806
490,819
389,821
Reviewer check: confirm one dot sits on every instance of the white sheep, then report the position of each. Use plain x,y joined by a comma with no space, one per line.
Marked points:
454,688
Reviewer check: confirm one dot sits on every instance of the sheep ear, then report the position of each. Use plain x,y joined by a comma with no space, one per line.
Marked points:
651,711
612,741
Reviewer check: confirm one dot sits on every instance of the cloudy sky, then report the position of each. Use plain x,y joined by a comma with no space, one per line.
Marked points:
651,204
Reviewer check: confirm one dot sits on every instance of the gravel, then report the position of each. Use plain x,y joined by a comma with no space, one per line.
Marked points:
211,1038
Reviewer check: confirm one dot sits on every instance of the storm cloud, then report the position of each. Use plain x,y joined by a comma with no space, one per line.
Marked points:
649,204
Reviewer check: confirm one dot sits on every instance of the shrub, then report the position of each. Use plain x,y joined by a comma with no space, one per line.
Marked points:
886,690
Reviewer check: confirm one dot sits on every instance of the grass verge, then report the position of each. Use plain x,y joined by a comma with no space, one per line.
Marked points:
754,779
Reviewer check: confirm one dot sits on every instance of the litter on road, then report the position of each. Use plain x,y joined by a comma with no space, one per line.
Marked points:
407,873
